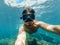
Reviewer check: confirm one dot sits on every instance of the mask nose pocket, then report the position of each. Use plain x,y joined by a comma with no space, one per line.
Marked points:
28,19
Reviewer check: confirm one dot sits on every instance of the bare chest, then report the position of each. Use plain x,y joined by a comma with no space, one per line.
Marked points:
31,29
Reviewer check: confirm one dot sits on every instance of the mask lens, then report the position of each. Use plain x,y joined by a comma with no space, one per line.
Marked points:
28,17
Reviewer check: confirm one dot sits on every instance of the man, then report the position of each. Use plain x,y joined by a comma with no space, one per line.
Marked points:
30,26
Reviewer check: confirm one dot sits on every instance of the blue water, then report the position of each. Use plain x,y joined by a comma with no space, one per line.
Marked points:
10,20
19,1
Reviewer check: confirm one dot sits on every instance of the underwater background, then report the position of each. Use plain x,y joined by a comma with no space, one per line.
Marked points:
48,11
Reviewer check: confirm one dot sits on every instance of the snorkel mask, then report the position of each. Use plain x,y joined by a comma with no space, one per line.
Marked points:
28,16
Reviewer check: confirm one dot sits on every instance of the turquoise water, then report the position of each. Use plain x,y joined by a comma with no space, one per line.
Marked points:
18,1
10,22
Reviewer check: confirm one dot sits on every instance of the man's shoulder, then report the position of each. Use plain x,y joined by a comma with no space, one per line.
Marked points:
38,22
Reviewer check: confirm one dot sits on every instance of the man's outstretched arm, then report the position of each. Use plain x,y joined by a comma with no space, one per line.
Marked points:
49,27
21,38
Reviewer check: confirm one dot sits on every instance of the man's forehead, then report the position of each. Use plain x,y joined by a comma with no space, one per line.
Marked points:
28,10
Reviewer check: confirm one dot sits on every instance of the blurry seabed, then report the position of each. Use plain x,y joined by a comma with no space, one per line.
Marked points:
29,41
7,41
45,40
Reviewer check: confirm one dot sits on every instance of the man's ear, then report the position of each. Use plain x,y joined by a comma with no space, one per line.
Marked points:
20,17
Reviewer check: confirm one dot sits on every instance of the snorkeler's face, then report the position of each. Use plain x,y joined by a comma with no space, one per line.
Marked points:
28,15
